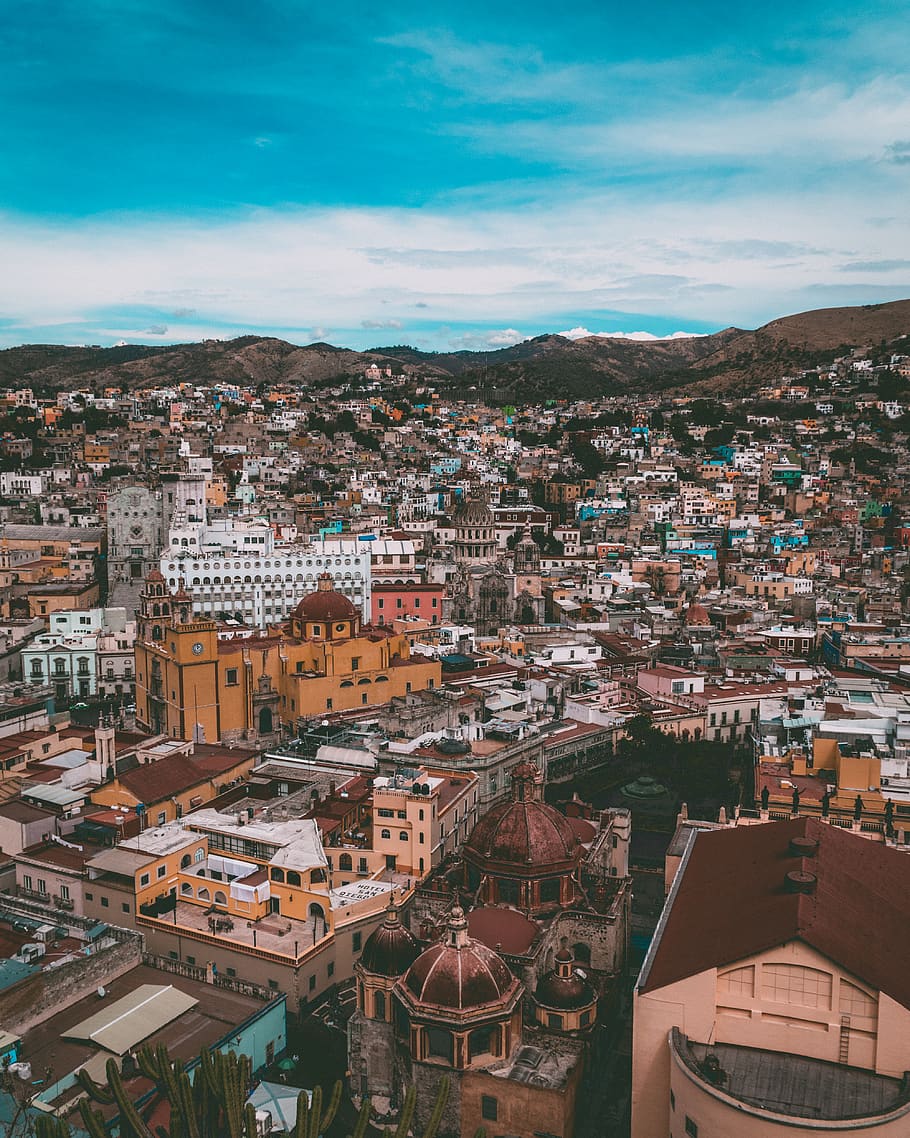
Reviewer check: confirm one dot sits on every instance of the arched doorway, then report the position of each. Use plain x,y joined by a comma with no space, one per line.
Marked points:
265,721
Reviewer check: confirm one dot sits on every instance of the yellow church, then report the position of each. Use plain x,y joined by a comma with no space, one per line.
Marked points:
196,679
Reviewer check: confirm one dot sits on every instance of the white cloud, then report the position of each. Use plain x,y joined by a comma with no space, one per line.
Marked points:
582,333
487,340
749,257
395,324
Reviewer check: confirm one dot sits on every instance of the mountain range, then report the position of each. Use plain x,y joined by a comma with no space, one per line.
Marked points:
550,366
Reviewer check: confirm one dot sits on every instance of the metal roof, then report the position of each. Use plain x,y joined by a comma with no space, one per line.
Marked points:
121,861
123,1025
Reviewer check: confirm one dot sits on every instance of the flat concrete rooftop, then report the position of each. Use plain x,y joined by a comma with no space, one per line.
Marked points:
790,1084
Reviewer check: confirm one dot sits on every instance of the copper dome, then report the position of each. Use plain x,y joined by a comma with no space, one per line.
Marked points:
459,973
523,834
391,949
563,987
697,614
325,604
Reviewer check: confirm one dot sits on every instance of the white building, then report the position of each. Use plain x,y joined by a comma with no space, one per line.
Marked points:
260,584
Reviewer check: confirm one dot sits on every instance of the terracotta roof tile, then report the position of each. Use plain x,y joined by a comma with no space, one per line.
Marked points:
732,902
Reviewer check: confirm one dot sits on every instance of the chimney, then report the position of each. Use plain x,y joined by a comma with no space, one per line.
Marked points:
797,881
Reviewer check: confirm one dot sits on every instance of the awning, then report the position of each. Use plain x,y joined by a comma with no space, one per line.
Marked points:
124,1024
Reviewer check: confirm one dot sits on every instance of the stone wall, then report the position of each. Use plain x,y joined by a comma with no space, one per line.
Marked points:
43,994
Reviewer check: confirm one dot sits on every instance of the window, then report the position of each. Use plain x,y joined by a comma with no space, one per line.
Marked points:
691,1127
273,984
356,942
439,1043
232,971
162,817
124,907
230,677
554,1020
312,984
403,835
65,892
386,813
144,880
355,663
162,870
385,833
90,896
105,903
328,705
488,1108
331,968
27,881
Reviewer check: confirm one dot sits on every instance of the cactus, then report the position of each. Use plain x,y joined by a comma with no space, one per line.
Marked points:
311,1121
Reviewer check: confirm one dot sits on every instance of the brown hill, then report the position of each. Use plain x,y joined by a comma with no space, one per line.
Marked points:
545,367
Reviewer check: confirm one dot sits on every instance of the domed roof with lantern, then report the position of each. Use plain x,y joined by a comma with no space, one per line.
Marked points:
524,835
391,949
564,987
325,607
459,974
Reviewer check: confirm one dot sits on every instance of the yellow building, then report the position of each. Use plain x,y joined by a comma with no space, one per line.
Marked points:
193,683
772,1002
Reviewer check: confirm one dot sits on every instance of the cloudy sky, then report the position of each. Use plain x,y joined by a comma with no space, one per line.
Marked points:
446,175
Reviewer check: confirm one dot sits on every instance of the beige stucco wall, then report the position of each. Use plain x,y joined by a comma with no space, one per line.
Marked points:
789,999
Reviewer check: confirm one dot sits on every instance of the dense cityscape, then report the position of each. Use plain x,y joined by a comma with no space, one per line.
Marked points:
549,757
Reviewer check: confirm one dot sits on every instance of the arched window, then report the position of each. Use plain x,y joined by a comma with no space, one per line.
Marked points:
277,874
379,1005
186,890
384,834
199,855
203,894
220,897
316,912
345,862
293,877
403,835
186,861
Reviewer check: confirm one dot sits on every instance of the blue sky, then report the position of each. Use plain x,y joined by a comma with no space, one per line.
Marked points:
446,175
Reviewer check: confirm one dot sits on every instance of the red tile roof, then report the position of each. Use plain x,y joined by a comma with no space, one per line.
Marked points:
731,902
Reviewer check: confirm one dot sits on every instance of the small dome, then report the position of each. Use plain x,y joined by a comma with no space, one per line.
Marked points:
325,604
459,973
391,949
564,987
697,614
555,991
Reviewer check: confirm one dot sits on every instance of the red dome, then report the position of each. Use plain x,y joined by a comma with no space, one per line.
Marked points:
155,575
697,614
391,949
458,973
525,835
325,604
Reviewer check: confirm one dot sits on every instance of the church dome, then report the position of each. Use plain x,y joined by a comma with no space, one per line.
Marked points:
325,604
697,615
524,836
473,512
563,988
391,949
459,974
